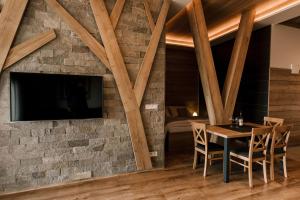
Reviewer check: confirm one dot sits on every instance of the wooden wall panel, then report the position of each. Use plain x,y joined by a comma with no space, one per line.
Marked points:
183,79
284,99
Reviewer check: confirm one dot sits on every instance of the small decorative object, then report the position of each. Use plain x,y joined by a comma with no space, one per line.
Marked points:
195,114
241,120
295,69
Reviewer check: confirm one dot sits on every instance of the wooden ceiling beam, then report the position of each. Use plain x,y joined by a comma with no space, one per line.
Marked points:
145,69
205,63
27,47
10,19
119,70
237,62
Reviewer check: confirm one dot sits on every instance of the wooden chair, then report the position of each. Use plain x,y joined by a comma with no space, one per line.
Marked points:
272,121
279,144
257,152
208,149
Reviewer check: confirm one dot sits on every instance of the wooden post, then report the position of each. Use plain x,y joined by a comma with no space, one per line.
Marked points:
127,94
237,62
116,12
149,15
10,19
145,69
85,36
205,63
27,47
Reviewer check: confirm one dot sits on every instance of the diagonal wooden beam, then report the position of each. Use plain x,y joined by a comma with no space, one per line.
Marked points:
116,12
84,35
10,19
149,15
237,62
119,70
205,61
27,47
145,69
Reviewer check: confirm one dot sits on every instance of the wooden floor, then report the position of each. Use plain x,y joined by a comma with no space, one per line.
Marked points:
178,181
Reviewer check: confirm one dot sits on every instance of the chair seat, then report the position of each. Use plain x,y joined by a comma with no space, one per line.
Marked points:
276,150
245,153
211,147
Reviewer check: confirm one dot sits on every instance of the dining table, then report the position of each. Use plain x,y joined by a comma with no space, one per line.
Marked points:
230,132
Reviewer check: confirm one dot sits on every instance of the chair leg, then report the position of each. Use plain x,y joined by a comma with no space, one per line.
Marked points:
284,166
265,171
245,168
205,165
250,174
195,159
272,168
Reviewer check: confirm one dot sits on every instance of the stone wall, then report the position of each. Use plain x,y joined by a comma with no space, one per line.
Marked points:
34,154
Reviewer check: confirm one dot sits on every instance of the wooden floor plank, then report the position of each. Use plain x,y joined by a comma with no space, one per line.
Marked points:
177,182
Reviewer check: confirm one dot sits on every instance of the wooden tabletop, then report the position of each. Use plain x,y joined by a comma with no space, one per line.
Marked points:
227,133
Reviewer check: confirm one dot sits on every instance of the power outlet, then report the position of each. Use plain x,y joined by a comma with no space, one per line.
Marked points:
151,106
153,154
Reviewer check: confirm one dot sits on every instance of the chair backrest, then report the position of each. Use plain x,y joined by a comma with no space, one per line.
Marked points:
280,138
272,121
200,135
259,141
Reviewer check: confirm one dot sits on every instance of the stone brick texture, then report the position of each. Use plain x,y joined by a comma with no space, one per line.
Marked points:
42,153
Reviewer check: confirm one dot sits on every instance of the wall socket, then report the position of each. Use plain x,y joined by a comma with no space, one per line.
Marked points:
151,106
153,154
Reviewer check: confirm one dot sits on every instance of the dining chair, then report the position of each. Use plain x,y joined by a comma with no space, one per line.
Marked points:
278,149
257,152
203,146
273,121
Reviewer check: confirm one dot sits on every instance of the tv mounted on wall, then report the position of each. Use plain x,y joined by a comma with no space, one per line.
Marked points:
55,97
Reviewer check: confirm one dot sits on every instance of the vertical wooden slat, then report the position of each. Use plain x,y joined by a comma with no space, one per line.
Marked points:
145,69
27,47
237,62
205,61
84,35
149,15
120,73
116,12
10,19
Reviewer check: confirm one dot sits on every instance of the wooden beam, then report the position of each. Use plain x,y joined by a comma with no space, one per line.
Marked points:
27,47
149,15
237,62
10,19
119,70
84,35
116,12
145,69
205,63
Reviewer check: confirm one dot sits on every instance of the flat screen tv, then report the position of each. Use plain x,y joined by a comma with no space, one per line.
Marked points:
55,97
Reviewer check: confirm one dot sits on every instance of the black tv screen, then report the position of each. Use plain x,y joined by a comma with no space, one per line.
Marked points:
55,97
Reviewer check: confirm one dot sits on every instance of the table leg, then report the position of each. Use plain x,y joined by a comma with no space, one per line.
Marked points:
226,160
